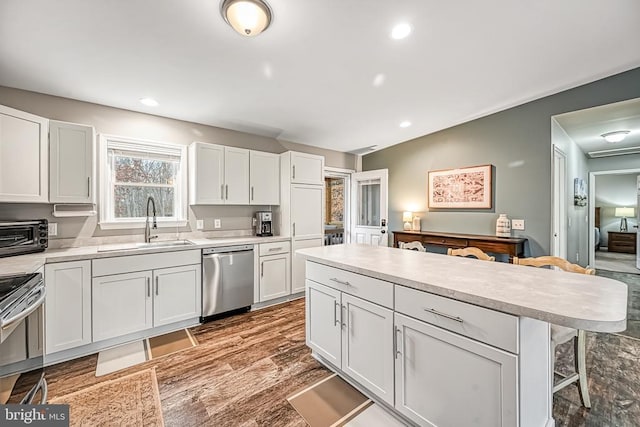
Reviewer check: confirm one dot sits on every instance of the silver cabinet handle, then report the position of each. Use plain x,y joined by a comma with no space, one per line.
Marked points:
262,269
148,287
222,191
441,314
294,171
227,196
294,229
342,282
335,315
344,324
275,249
88,186
157,285
251,193
396,345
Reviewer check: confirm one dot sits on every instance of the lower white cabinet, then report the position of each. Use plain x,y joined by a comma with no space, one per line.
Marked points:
67,305
274,270
354,335
176,294
479,386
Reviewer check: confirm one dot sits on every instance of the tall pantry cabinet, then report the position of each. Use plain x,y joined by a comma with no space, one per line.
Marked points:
302,193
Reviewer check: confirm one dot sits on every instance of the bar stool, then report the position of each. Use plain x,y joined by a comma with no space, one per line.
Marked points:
471,251
414,246
562,334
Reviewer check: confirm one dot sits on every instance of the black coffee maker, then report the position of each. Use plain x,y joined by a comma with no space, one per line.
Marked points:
264,224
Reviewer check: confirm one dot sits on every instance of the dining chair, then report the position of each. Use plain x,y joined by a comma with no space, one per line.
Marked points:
471,251
415,246
562,334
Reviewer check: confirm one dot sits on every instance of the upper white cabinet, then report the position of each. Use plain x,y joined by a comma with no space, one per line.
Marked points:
218,175
24,149
71,163
306,168
264,178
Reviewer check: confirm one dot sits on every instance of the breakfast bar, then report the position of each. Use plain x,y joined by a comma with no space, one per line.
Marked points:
449,341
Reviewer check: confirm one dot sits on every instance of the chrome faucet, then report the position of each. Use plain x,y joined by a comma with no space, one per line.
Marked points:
147,230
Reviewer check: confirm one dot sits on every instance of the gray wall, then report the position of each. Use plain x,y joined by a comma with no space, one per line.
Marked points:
116,121
517,142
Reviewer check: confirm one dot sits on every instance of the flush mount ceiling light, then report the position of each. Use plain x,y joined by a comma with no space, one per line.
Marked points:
400,31
149,102
247,17
405,124
616,136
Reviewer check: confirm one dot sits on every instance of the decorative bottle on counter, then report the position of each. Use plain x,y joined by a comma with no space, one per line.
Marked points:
503,226
416,224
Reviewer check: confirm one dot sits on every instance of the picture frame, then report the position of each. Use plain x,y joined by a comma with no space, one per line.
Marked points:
462,188
579,192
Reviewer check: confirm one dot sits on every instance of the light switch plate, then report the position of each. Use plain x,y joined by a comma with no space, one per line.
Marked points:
199,224
53,229
517,224
216,223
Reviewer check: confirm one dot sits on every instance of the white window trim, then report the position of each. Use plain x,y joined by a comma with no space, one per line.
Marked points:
104,192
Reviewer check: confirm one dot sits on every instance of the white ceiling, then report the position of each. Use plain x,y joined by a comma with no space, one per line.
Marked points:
309,77
585,127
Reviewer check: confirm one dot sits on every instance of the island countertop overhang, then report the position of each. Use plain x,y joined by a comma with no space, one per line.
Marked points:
574,300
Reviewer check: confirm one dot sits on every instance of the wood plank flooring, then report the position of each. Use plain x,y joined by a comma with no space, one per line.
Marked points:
246,365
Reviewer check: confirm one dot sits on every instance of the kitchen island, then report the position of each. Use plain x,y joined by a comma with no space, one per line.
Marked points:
445,340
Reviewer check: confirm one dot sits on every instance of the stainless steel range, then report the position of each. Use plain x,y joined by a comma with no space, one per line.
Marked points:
22,339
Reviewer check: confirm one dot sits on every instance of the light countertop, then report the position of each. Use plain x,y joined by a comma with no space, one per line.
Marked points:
29,263
574,300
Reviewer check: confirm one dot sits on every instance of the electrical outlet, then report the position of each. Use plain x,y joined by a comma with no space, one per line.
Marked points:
216,223
53,229
517,224
577,256
199,224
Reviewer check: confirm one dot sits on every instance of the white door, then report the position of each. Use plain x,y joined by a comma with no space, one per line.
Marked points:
176,294
637,224
478,388
324,321
67,305
306,211
369,210
273,277
366,342
558,233
122,304
236,176
264,178
71,163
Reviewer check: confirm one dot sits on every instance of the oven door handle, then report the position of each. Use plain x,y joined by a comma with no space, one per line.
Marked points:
6,323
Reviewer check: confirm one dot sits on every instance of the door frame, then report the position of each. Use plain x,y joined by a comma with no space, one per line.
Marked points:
332,172
559,202
592,205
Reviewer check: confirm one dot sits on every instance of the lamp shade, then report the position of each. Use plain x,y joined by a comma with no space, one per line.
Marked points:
624,212
247,17
407,216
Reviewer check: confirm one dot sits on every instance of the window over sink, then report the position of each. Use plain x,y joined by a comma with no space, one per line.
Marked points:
131,170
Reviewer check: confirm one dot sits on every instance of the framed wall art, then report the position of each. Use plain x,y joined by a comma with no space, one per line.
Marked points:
579,192
464,188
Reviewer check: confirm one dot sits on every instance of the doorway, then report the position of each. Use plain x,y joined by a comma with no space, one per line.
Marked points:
336,206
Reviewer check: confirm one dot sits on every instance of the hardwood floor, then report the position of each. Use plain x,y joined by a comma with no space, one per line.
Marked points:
245,366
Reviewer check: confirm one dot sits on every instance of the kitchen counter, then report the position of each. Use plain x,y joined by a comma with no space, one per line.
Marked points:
578,301
29,263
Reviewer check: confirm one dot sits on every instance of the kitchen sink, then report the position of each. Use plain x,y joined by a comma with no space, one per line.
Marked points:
134,246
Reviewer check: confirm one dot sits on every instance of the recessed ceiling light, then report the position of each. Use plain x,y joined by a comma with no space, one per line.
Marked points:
405,124
149,102
400,31
379,79
615,136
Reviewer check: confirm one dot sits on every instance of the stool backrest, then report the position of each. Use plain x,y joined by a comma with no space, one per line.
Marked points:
563,264
415,246
471,251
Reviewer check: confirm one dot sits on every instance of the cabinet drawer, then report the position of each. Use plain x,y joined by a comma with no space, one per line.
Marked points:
445,241
131,263
367,288
482,324
274,248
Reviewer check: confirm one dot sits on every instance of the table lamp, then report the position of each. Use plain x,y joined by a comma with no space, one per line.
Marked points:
407,217
624,213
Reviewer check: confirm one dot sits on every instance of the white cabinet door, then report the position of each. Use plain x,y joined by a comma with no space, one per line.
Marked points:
122,304
306,211
307,169
479,386
206,174
274,276
176,294
24,157
236,176
323,325
367,346
298,263
71,163
264,178
67,305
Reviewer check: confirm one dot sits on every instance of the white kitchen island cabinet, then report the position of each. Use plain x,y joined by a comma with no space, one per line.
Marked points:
466,342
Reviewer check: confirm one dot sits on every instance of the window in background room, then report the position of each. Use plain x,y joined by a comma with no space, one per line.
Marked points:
131,171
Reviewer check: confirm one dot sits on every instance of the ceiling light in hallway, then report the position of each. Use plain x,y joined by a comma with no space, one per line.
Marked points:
149,102
405,124
616,136
400,31
247,17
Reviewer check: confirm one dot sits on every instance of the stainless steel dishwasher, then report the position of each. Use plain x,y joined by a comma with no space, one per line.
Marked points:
227,280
